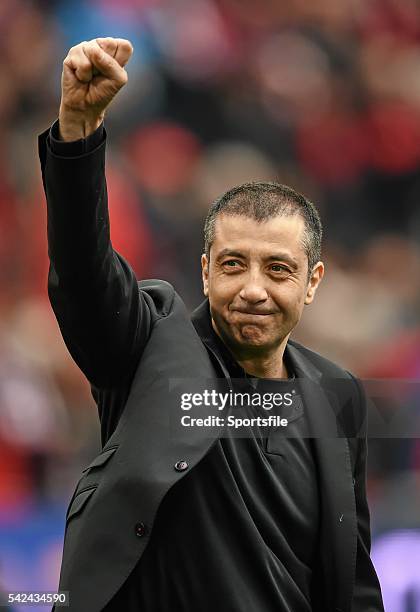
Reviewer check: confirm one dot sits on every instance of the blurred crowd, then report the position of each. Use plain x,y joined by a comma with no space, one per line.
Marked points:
323,96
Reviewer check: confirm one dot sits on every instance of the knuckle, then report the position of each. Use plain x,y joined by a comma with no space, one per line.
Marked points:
78,46
121,79
97,51
89,46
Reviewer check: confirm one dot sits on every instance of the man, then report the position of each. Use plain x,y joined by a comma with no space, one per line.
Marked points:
166,520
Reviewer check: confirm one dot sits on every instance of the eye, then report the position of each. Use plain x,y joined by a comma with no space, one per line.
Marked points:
232,266
279,268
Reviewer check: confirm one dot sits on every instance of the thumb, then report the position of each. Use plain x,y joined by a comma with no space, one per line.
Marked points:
105,64
120,49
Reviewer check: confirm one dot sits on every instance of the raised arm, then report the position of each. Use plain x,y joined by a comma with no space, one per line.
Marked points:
104,319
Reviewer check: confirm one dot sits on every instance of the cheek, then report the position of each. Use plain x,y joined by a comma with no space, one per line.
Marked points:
222,289
289,300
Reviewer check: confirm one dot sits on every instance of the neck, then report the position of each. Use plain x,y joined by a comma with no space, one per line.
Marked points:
265,366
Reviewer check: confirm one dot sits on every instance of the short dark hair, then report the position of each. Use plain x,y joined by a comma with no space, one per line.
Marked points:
263,200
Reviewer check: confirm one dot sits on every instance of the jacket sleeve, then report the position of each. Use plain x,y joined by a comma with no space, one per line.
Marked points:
104,319
367,595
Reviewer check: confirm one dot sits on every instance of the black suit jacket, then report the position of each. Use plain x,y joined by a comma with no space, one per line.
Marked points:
136,343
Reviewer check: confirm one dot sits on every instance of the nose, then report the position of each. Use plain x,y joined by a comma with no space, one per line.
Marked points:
253,290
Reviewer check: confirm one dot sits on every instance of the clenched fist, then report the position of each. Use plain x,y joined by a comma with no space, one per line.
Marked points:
93,73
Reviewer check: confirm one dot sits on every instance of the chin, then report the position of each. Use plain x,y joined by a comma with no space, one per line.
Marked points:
252,339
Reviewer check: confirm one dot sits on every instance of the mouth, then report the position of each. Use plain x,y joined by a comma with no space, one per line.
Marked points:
253,313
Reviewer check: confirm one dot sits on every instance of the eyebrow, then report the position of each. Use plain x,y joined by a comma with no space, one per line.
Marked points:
273,257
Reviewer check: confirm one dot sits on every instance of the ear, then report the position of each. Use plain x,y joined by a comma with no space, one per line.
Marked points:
316,277
205,274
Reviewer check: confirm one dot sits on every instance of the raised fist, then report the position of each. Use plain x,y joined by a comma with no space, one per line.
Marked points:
93,73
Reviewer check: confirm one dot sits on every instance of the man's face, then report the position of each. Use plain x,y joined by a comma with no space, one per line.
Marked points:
257,281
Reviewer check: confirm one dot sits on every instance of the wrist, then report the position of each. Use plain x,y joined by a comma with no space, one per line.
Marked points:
74,125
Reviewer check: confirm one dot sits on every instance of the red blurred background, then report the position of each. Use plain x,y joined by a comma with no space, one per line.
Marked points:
323,96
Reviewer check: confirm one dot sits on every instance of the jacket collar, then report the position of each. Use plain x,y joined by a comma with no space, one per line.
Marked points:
201,319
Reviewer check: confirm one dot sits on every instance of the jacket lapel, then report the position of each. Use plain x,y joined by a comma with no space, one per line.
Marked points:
338,537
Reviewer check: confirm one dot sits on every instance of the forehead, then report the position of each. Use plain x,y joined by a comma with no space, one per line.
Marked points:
238,232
